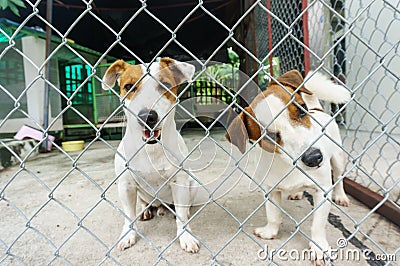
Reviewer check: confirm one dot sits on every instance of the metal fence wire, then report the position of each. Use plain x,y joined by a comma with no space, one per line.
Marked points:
62,207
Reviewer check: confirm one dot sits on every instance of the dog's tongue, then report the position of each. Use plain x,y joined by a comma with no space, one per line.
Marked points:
147,134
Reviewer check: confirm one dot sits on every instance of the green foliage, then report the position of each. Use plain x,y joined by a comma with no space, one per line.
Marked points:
12,5
220,74
209,82
264,75
233,57
225,74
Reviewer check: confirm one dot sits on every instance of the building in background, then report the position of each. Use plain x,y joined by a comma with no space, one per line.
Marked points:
22,82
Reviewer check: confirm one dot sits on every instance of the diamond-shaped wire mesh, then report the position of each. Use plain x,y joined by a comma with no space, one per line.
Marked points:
65,207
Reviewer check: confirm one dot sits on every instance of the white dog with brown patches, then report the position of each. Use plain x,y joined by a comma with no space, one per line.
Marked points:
281,116
150,155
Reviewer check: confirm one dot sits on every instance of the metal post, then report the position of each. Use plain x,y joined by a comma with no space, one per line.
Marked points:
306,42
253,44
46,102
269,22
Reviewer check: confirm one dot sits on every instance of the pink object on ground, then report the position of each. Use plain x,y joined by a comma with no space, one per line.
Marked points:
33,133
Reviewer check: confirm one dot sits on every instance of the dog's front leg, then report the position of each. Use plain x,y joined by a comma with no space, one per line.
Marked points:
339,196
182,199
274,217
127,191
318,228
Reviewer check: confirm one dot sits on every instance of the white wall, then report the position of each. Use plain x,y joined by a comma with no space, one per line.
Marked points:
377,89
320,39
34,51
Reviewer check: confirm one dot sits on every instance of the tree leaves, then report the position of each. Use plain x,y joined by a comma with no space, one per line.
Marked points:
12,5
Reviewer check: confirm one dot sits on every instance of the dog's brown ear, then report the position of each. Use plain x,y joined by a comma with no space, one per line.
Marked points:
237,133
112,73
242,128
293,79
253,128
182,71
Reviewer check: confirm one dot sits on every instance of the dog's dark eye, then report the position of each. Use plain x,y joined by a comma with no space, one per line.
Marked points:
272,135
128,87
166,84
303,111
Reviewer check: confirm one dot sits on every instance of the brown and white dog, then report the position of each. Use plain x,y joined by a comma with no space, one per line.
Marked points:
291,127
151,152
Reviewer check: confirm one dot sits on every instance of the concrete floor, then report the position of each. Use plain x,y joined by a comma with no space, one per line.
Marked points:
53,212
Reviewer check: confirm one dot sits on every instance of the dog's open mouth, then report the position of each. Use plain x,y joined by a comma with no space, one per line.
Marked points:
151,136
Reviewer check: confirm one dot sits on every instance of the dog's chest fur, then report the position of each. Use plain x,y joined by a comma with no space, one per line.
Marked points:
296,181
153,164
151,170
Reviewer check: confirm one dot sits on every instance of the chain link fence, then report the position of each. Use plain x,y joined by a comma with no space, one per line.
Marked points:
62,207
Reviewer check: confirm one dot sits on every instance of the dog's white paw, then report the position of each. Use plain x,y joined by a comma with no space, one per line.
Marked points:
341,200
189,243
127,241
317,255
295,196
266,232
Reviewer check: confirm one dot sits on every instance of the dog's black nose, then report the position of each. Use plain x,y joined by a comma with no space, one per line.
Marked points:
312,157
150,117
